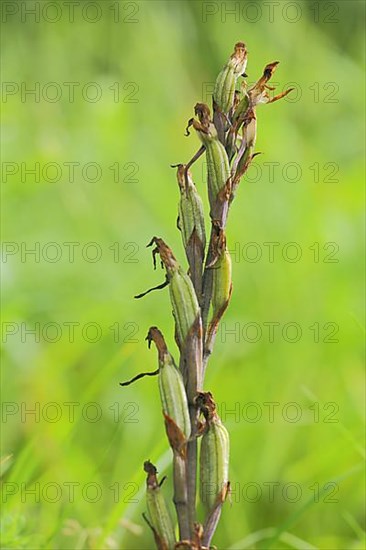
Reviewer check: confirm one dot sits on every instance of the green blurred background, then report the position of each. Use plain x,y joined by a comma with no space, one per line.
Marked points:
72,471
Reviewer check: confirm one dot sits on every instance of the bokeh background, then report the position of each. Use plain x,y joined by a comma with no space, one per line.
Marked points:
114,84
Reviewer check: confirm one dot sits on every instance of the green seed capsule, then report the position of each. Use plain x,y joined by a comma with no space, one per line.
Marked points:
183,298
192,225
214,463
184,303
239,116
218,167
191,219
159,517
173,396
246,151
224,90
171,387
222,285
221,269
214,456
241,109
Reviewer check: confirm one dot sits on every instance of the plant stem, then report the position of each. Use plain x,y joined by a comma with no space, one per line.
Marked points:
210,525
192,470
192,355
180,495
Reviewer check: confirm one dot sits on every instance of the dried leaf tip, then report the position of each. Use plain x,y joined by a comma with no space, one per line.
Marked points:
166,255
206,404
182,172
239,56
151,480
203,112
154,335
258,93
204,124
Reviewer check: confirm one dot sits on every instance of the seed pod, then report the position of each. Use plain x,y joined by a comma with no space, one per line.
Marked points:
218,168
237,120
246,151
191,217
224,90
221,287
159,518
183,298
192,225
171,387
241,109
214,456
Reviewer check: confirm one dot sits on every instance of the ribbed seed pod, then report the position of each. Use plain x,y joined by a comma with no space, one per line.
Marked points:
241,109
191,218
218,167
171,386
246,151
224,90
214,456
221,269
182,295
184,303
222,283
159,517
192,225
173,395
237,120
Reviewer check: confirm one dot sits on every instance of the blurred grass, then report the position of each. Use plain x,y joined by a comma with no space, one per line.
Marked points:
171,54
